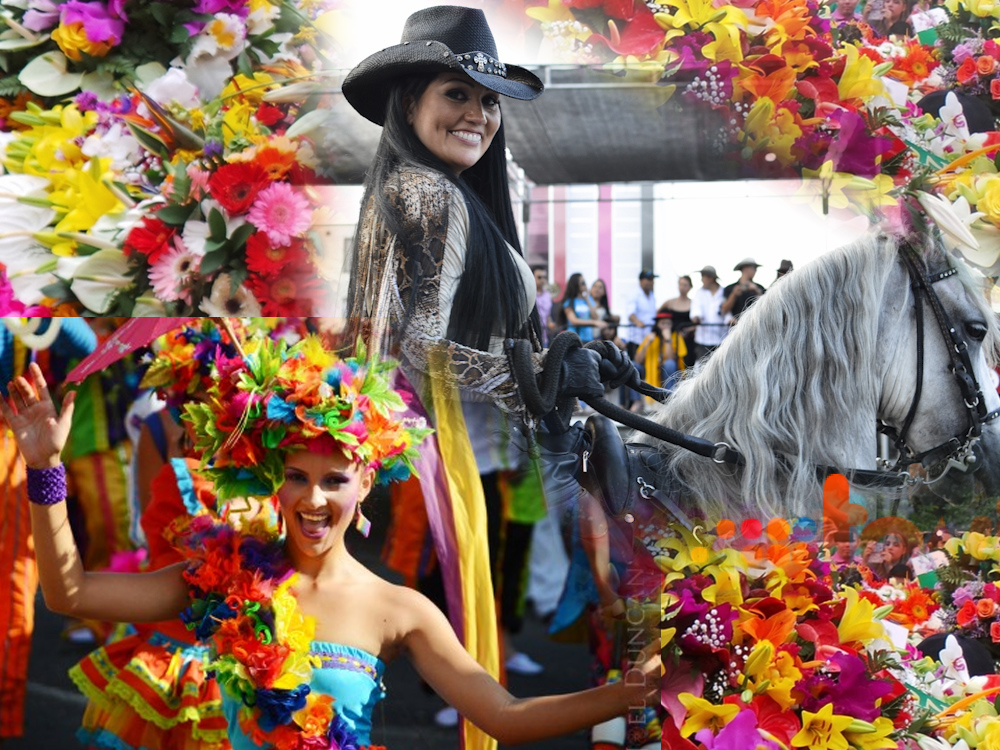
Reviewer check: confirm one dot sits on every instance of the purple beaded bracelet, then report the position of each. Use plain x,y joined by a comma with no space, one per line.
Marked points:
47,486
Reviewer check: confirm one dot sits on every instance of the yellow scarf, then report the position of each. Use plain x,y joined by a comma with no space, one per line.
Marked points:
653,358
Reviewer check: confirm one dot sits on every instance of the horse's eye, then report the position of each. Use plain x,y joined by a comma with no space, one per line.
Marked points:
976,330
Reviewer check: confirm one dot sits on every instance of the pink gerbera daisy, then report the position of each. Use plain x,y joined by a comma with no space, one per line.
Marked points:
281,212
172,272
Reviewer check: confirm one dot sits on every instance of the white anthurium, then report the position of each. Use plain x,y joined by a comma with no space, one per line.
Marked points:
988,253
952,219
100,278
14,186
147,307
19,224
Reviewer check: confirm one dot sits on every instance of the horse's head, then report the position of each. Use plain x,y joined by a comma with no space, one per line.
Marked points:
938,410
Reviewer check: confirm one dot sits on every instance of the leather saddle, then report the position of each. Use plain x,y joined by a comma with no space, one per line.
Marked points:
616,472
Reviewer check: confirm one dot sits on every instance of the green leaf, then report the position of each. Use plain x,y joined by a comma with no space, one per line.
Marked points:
212,245
175,214
149,141
212,262
265,46
164,13
244,65
238,276
216,225
182,183
180,34
241,235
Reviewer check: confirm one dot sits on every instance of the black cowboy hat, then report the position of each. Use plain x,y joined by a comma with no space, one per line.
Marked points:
440,39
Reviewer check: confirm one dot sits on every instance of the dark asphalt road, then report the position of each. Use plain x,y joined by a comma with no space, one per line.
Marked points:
403,722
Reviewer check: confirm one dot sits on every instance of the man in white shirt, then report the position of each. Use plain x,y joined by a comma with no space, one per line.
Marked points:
706,311
641,315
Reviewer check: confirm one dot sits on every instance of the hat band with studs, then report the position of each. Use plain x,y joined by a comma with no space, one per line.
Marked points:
482,63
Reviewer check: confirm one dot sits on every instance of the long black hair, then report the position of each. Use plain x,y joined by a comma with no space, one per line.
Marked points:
571,292
489,299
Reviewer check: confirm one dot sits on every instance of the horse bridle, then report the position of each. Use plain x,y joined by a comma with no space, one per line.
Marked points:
956,452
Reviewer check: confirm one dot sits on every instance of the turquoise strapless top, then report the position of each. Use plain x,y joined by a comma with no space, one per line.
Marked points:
352,676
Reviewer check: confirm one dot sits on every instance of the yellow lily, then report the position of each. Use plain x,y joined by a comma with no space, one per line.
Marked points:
701,714
858,80
858,623
877,740
822,730
724,23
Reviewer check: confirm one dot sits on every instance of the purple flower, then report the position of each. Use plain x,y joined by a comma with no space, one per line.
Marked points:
213,149
962,51
236,7
741,732
340,734
99,23
961,596
854,150
853,693
86,101
42,15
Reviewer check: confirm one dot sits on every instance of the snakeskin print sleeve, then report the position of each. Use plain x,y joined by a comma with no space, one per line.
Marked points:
424,199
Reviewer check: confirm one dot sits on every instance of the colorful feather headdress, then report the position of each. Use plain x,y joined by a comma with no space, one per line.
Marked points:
277,398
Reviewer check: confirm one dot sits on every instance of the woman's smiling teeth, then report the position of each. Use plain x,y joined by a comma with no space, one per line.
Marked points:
464,135
314,525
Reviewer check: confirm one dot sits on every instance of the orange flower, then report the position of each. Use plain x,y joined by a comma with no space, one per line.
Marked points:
966,615
966,71
995,631
775,628
986,608
985,65
995,88
315,718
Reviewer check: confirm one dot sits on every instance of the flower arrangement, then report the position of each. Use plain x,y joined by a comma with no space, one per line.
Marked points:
55,48
178,181
203,212
279,398
242,603
775,650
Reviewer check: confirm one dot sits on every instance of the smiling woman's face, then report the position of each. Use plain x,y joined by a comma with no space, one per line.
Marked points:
456,119
318,499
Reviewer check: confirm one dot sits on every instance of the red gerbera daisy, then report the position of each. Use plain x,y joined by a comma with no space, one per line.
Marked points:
151,237
288,294
267,261
236,185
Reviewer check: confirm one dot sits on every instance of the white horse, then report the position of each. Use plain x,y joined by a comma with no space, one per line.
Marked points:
816,364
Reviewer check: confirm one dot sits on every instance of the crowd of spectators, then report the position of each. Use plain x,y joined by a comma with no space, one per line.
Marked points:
887,18
663,340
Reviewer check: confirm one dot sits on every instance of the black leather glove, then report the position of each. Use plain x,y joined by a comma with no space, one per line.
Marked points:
580,376
616,368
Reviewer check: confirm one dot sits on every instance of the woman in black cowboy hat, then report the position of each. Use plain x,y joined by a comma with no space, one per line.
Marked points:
437,262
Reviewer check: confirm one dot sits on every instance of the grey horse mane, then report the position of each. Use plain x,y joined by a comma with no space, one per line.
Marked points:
790,379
